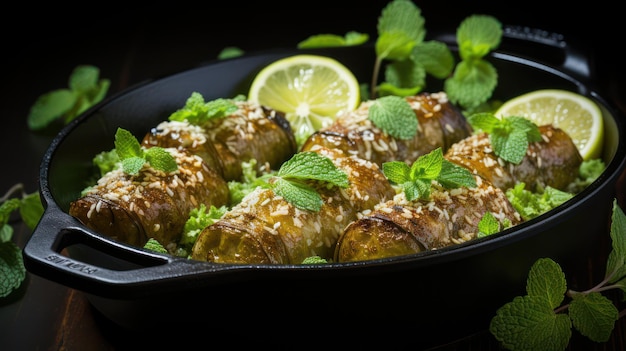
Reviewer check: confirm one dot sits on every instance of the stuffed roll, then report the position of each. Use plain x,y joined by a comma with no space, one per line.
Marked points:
554,161
440,124
400,227
265,228
151,203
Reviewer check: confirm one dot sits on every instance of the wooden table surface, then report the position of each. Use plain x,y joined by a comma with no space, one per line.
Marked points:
132,46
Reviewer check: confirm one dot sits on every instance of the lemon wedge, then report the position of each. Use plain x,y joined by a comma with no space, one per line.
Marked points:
311,90
576,114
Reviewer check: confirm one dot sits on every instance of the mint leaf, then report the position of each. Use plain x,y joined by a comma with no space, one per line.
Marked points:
546,280
12,270
49,107
511,146
616,262
298,194
435,57
477,36
529,323
403,78
472,83
394,115
509,136
593,315
351,38
400,28
7,208
133,156
307,165
85,89
455,176
133,165
197,111
230,52
84,78
397,171
428,166
416,181
160,159
311,165
31,209
126,145
488,225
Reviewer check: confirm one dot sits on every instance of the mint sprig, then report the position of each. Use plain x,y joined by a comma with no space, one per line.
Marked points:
290,180
12,270
543,318
416,181
509,136
133,156
395,116
400,43
85,89
198,111
474,78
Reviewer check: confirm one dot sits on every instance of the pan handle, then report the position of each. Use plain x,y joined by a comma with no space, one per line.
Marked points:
575,59
63,250
541,46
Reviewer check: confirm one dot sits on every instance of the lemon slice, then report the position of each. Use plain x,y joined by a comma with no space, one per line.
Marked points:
311,90
576,114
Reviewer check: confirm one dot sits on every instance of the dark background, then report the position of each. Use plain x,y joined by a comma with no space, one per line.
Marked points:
42,45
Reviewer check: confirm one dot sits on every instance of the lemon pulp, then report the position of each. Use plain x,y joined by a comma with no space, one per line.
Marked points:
311,90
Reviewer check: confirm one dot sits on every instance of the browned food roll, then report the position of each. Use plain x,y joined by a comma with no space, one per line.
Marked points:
185,136
440,124
152,203
552,162
400,227
252,132
264,228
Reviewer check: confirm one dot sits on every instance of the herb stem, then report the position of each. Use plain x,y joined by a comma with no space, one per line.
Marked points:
15,188
375,73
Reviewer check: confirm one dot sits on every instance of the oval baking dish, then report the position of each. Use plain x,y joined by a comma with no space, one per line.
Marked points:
457,289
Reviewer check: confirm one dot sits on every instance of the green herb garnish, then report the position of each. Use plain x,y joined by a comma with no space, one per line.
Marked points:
133,156
289,181
12,270
509,136
395,116
314,260
542,319
199,218
474,78
153,245
531,204
488,225
400,43
351,38
85,90
230,52
416,181
249,181
197,111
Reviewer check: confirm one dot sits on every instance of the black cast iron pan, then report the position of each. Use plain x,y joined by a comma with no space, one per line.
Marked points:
435,296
